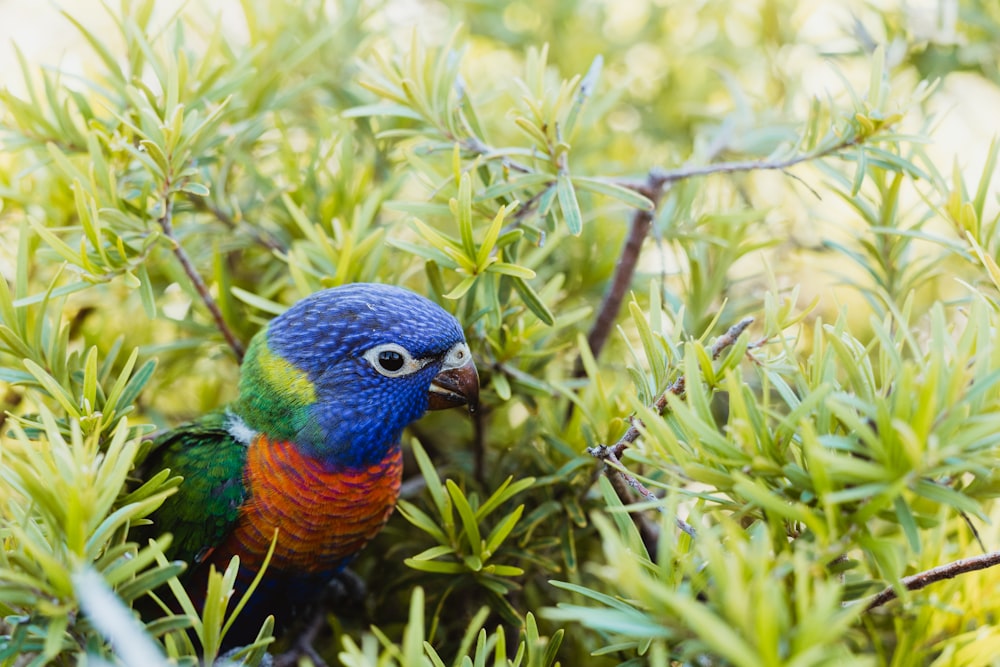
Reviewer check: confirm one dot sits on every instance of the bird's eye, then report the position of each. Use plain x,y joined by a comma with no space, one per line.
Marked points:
393,360
390,360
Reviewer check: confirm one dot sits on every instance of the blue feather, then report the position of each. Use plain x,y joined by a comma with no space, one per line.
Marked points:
359,414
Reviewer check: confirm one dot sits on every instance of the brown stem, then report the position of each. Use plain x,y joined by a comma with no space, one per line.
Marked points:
641,222
669,176
260,236
166,223
923,579
479,446
678,386
619,476
620,282
653,189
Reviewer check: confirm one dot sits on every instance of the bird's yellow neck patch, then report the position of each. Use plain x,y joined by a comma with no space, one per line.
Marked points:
292,382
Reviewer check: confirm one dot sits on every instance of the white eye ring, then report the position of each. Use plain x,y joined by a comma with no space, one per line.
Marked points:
392,360
459,355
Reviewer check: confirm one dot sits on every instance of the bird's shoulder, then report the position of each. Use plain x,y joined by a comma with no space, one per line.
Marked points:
207,503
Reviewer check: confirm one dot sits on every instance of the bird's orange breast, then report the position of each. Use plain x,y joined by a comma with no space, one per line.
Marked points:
323,515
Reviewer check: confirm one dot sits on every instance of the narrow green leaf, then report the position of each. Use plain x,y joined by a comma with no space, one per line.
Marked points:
584,92
650,345
504,492
463,215
146,292
907,522
859,171
258,302
436,566
521,182
434,552
461,288
118,388
53,388
90,379
569,205
501,386
622,194
533,132
65,251
198,189
533,301
434,486
979,201
421,520
515,270
382,109
468,517
136,383
503,529
490,240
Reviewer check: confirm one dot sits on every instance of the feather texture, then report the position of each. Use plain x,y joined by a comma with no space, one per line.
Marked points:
311,446
324,515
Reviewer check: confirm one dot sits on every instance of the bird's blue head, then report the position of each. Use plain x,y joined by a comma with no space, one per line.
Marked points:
345,370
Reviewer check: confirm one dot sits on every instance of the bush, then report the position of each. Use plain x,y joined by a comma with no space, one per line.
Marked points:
734,324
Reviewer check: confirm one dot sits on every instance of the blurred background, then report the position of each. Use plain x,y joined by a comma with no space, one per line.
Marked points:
681,78
684,83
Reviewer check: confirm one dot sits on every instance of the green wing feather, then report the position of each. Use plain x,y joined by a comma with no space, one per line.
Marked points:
207,503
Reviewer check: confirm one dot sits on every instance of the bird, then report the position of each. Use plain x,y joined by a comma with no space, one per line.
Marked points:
311,445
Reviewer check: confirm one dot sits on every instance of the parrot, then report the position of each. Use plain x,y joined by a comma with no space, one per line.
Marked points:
311,445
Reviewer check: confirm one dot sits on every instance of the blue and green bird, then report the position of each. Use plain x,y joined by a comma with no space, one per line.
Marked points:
311,447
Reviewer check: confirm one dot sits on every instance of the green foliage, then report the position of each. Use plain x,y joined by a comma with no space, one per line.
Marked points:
703,600
200,176
462,548
490,649
64,513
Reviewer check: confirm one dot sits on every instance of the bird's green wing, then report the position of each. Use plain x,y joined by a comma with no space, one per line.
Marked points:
207,503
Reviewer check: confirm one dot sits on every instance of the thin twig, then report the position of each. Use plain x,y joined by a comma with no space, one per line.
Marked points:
479,446
166,223
653,188
303,644
923,579
617,471
669,176
619,476
649,532
678,386
642,220
260,236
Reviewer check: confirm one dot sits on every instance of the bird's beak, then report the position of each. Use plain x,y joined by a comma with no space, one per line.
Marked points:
453,387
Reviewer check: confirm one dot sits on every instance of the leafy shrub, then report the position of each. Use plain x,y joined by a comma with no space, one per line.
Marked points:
692,449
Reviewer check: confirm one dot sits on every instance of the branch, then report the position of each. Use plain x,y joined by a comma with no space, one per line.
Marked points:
479,446
669,176
923,579
619,476
166,223
653,188
259,235
648,530
620,282
678,386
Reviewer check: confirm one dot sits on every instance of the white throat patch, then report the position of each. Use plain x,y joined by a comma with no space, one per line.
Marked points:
238,428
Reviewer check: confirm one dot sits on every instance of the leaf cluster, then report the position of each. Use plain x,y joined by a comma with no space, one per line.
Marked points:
198,179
